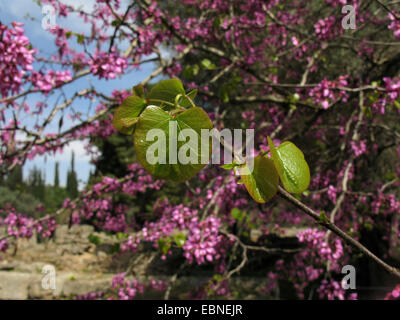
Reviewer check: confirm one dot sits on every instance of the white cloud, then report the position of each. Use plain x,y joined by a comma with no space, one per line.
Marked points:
78,147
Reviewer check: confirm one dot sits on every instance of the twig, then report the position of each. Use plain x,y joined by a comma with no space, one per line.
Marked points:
330,226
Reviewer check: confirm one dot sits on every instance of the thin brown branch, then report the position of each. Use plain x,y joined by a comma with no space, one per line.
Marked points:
343,235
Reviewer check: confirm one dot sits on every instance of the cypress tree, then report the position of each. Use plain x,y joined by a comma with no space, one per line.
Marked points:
56,176
72,180
36,184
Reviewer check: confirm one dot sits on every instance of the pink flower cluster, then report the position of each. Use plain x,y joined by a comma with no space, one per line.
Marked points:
392,87
16,58
19,226
332,191
314,239
127,289
332,289
107,65
359,147
203,241
394,25
326,29
326,91
52,79
311,263
99,205
91,296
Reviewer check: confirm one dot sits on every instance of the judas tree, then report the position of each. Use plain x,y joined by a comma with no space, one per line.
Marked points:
323,102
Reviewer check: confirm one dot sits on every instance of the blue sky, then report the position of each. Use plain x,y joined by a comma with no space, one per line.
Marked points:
30,13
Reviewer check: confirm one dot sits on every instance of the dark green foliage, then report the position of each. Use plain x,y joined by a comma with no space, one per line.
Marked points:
56,176
72,180
116,153
15,178
36,184
22,202
54,198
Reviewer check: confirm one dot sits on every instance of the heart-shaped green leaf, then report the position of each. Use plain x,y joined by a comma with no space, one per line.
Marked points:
291,166
161,151
165,90
261,182
126,115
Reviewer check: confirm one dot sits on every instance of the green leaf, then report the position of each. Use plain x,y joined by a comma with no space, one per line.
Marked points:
164,244
94,239
80,38
224,94
229,166
262,181
116,23
129,122
291,166
207,64
237,214
126,115
162,161
190,71
121,235
165,90
180,239
323,218
185,102
217,21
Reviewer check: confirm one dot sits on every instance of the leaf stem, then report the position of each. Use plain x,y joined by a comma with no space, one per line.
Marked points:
190,100
162,101
177,106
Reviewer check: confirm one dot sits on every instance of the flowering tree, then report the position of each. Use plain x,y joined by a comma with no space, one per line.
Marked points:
287,69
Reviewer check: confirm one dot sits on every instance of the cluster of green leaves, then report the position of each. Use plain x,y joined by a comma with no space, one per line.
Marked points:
286,164
165,244
167,101
192,70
